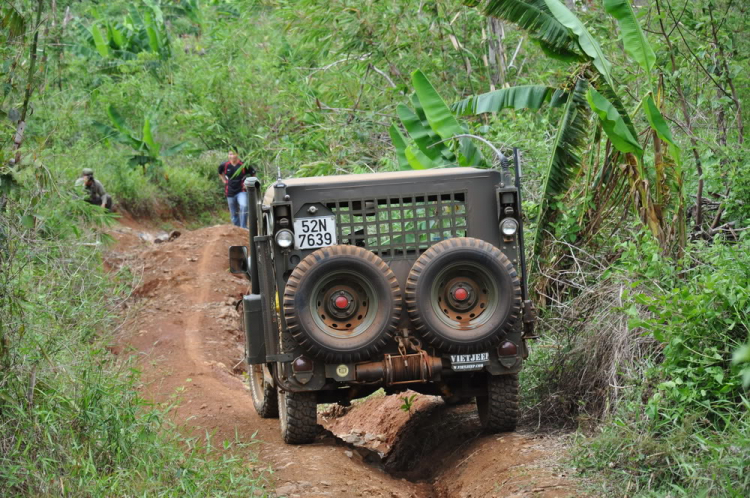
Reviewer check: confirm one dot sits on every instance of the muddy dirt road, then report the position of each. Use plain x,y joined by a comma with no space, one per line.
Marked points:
184,331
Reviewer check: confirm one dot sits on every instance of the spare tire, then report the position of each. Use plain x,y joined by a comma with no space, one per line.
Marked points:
463,295
342,303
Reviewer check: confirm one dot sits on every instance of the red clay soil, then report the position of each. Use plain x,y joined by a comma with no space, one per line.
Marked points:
183,329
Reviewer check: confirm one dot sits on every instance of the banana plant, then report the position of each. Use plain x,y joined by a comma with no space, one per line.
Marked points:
148,152
430,126
139,32
654,184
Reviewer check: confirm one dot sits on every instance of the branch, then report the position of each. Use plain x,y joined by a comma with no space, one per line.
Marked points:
381,73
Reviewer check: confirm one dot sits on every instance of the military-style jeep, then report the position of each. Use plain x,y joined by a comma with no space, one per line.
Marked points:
408,280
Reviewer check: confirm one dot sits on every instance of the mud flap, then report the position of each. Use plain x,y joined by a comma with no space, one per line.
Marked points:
254,337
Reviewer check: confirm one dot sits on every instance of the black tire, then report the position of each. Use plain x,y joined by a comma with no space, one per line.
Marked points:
498,410
265,399
373,311
299,417
495,290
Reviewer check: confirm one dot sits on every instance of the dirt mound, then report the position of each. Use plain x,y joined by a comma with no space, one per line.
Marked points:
186,337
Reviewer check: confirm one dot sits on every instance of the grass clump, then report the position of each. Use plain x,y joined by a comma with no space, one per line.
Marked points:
71,420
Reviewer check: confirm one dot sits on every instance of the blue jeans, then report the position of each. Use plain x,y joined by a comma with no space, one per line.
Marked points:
238,209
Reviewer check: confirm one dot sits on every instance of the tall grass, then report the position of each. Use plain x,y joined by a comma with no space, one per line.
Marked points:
71,420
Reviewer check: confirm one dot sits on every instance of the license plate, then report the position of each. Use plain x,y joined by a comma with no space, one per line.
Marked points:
311,233
476,361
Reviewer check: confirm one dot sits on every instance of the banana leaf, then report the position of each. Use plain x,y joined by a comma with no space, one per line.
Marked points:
635,42
518,97
613,123
660,126
417,159
443,122
565,159
587,42
534,17
423,136
170,151
102,46
399,143
148,138
437,112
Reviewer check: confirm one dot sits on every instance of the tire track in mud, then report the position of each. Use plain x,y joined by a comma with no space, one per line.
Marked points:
186,338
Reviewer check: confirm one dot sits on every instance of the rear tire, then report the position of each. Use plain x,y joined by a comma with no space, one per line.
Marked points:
265,400
350,334
498,410
492,290
298,413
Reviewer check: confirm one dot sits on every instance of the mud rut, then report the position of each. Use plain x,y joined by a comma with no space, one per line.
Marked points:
184,330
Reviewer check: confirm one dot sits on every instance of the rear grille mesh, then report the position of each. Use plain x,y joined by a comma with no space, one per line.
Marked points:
400,226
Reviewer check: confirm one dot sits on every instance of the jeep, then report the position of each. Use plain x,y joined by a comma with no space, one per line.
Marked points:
403,280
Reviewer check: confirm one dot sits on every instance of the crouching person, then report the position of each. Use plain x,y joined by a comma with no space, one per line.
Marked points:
94,189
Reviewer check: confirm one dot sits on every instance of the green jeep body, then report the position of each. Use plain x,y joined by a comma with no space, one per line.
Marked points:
404,256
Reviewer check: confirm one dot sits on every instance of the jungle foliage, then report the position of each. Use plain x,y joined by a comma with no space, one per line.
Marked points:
630,121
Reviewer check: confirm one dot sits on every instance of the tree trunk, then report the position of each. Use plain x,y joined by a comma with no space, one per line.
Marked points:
497,58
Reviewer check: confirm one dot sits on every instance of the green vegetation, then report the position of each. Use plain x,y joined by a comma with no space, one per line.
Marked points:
630,120
71,421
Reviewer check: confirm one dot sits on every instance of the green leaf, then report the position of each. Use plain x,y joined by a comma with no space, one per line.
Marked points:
469,154
124,136
101,44
151,31
535,18
660,126
635,42
417,160
13,21
587,43
170,151
437,112
8,183
140,160
28,221
399,143
423,136
742,355
518,97
565,159
117,37
148,138
613,124
117,120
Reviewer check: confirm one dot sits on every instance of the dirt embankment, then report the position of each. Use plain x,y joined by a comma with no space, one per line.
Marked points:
186,337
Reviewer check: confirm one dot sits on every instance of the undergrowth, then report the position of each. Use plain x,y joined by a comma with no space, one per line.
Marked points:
71,420
640,360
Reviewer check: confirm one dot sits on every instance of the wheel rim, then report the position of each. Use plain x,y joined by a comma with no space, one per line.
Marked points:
464,296
343,304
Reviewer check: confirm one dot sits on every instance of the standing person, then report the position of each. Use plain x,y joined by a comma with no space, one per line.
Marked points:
233,173
94,189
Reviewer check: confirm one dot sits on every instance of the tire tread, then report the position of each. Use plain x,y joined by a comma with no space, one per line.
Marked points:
499,411
300,424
